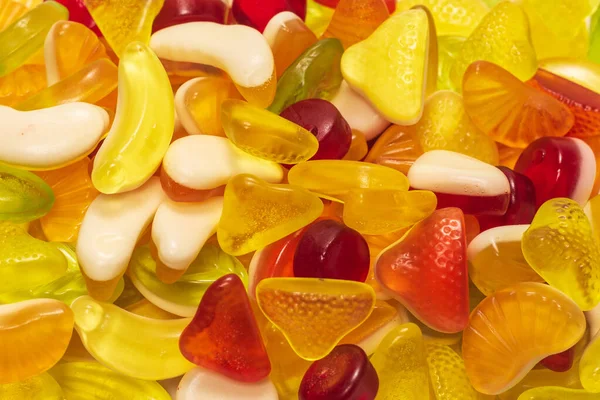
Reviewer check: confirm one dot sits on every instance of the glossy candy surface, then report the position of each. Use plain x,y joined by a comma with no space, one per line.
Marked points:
510,331
78,13
589,367
557,393
448,376
39,387
355,20
9,12
257,14
398,147
325,311
23,196
21,83
175,12
344,374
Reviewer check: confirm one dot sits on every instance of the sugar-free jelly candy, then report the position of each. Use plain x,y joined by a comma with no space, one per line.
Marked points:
557,393
223,335
24,37
325,122
111,335
502,37
461,181
109,232
401,365
39,387
510,331
389,72
496,260
448,376
94,379
288,37
256,213
358,147
521,206
325,311
38,332
315,74
175,12
446,126
433,253
329,249
398,147
54,137
182,297
355,20
23,195
179,230
266,135
559,167
143,126
201,382
336,178
257,14
508,110
242,52
377,212
344,374
70,46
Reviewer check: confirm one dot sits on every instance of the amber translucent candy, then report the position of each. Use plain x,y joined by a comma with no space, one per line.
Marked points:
508,155
398,147
382,315
9,12
354,20
510,331
177,192
358,147
22,83
508,110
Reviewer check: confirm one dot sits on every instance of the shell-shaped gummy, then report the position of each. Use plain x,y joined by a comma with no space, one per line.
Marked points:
23,196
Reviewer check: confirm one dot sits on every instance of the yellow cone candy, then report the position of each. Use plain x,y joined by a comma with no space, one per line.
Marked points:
448,375
389,68
314,314
39,387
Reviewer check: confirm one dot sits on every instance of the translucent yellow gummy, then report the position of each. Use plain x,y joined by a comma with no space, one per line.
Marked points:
448,376
390,67
583,72
449,48
557,393
559,16
318,17
401,365
548,44
91,380
143,125
446,126
335,178
314,314
544,377
136,346
10,11
264,134
502,37
21,83
22,39
39,387
124,21
559,245
589,366
256,213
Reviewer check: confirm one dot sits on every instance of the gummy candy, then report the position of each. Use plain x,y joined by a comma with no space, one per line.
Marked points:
266,135
344,374
175,12
180,193
325,122
314,74
377,212
355,20
496,260
461,181
318,17
146,309
560,362
449,49
96,381
448,376
21,83
35,332
256,213
111,335
508,110
223,336
589,366
39,387
389,72
9,12
23,196
401,365
257,13
143,126
510,331
544,377
24,37
334,179
358,147
433,245
78,13
325,311
580,71
557,393
594,53
398,147
330,250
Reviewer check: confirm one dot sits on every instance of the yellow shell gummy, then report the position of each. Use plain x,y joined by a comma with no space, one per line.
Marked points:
389,68
560,246
502,37
557,393
314,314
256,213
448,376
401,365
264,134
143,125
39,387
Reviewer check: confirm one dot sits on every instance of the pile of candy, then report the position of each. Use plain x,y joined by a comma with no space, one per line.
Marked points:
291,199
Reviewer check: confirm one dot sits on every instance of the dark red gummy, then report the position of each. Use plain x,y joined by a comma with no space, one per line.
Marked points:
391,4
561,362
176,12
521,204
258,13
329,249
475,205
344,374
323,120
78,13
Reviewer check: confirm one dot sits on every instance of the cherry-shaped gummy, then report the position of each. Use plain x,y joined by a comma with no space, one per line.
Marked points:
344,374
258,13
329,249
78,13
176,12
323,120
